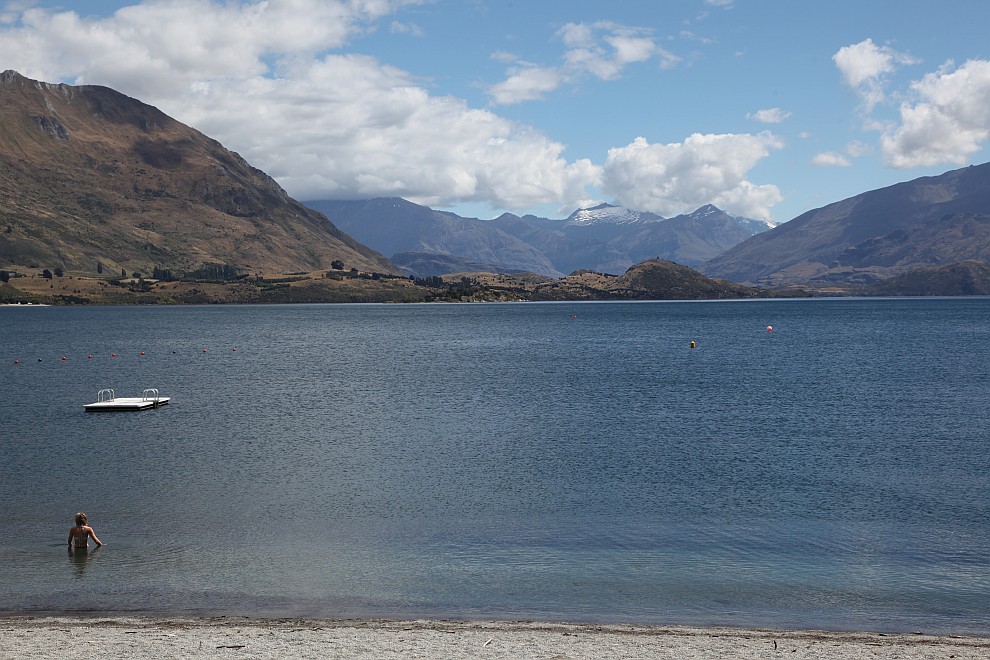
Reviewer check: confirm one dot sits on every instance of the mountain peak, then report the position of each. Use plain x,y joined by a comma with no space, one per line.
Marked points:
707,209
609,214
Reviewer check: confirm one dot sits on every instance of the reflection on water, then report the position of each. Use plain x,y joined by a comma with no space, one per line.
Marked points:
514,461
80,558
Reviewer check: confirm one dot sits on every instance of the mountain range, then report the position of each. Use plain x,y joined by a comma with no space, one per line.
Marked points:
606,238
92,181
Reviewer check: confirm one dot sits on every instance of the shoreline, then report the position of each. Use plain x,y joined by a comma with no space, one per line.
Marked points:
117,636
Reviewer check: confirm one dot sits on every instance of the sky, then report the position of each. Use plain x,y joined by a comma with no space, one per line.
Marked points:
765,108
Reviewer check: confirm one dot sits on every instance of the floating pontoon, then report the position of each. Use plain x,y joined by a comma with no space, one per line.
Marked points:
106,401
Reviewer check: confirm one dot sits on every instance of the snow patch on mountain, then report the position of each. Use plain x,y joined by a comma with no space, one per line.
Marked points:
609,214
709,210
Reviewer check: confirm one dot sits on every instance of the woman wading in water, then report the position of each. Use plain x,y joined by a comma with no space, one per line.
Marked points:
80,534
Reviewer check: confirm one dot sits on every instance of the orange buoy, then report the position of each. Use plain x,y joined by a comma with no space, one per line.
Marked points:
769,328
142,352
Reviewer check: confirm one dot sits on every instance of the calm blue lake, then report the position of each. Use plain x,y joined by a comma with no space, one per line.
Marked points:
573,462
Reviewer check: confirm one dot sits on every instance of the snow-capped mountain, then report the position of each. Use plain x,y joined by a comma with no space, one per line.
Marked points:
609,214
751,224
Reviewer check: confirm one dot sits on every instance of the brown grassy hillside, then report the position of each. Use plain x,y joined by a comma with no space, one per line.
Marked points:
89,176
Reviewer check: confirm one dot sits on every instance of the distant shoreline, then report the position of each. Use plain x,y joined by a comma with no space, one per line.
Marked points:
163,636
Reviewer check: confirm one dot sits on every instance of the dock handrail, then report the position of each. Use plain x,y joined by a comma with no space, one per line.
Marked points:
105,395
150,394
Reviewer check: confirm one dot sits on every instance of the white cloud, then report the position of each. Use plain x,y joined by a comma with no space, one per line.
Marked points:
677,178
504,56
411,29
948,121
830,159
602,50
350,127
10,11
864,66
258,78
161,48
769,115
630,47
857,149
577,35
854,149
525,83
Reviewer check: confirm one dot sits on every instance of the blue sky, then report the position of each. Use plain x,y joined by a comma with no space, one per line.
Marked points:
766,108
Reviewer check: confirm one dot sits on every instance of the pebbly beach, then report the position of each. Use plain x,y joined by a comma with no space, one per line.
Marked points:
66,636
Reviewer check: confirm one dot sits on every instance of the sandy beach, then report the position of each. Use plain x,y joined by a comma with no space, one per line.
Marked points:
232,637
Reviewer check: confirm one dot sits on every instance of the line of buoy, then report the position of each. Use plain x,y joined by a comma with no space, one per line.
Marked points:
89,356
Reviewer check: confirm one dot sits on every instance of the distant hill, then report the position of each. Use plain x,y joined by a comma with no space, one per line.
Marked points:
655,279
393,225
92,179
430,264
929,221
661,279
966,278
603,238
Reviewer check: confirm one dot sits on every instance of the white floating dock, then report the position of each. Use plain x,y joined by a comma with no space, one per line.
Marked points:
106,401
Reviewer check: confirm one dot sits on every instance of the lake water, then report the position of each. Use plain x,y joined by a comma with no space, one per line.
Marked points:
573,462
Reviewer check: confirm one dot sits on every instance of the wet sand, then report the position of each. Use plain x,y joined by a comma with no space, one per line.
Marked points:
233,637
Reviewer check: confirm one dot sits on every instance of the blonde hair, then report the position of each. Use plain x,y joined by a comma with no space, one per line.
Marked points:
81,519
